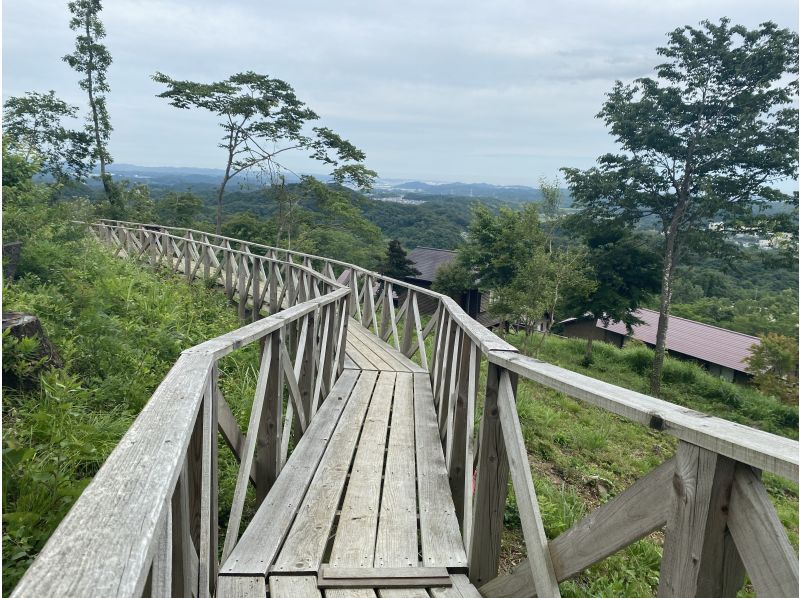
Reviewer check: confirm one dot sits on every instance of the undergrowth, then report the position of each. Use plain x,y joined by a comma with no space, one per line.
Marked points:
119,328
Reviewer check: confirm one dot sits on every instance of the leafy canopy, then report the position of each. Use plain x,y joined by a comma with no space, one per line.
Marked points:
707,138
34,127
262,118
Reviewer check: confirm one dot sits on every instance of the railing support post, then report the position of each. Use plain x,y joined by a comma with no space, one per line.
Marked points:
694,546
491,488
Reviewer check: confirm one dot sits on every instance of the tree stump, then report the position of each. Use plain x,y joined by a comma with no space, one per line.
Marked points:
22,326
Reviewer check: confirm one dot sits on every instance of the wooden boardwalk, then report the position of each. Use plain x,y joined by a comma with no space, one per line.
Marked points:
394,486
368,480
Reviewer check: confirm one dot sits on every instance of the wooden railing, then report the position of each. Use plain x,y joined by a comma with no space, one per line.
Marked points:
719,521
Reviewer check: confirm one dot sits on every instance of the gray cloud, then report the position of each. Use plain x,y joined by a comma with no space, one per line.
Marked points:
500,91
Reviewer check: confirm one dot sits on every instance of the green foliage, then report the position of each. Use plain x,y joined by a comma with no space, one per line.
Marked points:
396,263
625,270
179,209
34,127
453,279
773,364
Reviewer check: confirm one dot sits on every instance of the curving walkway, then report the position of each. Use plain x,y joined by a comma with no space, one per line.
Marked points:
363,506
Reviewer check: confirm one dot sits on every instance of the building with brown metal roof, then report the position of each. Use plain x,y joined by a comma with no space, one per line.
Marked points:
722,352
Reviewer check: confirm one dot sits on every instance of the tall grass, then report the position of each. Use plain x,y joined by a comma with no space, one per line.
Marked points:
119,328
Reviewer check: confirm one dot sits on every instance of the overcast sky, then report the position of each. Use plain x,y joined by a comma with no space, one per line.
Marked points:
502,92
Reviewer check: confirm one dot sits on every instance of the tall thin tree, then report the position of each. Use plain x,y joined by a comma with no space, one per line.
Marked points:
92,59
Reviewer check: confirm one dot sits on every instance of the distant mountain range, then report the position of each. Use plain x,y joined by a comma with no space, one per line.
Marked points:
507,192
159,177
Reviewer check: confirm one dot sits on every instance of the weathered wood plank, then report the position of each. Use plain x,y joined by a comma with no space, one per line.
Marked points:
760,537
694,543
260,542
491,488
382,577
741,443
242,587
308,537
124,503
439,534
293,586
396,544
532,527
354,544
248,454
462,588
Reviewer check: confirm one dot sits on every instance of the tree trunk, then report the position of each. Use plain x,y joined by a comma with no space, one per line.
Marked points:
220,194
663,314
588,357
101,150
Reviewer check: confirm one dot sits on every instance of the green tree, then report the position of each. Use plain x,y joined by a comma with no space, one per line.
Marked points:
396,263
34,126
707,139
626,273
773,364
178,208
453,280
262,118
92,59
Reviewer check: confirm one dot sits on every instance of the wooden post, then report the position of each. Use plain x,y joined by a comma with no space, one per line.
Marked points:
694,544
268,441
241,286
272,281
491,488
256,269
459,437
187,257
227,257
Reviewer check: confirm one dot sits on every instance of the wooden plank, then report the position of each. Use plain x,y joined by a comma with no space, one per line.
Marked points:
630,516
694,543
491,488
760,537
206,549
293,586
358,358
248,454
161,572
367,351
231,434
439,534
396,544
374,346
308,537
462,588
259,544
268,461
530,517
759,449
332,576
349,364
354,544
393,357
241,587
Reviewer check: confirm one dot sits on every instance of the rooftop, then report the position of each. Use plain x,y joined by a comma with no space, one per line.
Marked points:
428,260
695,339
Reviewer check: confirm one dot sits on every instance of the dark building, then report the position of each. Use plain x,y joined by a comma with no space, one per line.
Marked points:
722,352
428,260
